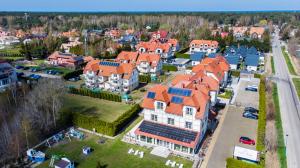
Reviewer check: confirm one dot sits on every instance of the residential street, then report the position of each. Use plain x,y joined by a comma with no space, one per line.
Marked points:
289,106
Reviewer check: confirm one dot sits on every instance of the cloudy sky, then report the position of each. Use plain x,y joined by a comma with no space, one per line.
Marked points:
147,5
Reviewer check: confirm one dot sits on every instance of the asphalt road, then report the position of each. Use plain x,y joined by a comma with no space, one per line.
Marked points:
289,106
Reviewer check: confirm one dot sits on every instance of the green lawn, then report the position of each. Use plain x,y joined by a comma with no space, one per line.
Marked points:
11,50
112,154
226,95
296,82
288,62
103,109
11,58
272,65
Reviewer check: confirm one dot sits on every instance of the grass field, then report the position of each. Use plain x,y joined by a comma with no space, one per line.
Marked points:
103,109
11,50
296,82
273,65
288,62
111,154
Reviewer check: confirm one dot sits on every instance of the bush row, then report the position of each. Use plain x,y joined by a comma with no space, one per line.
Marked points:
256,75
144,78
100,95
234,163
179,55
169,68
261,128
11,55
72,74
281,148
108,128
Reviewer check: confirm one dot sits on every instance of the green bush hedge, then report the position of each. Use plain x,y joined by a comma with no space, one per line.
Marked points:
144,78
169,68
256,75
234,163
261,128
179,55
72,74
108,128
100,95
235,73
281,148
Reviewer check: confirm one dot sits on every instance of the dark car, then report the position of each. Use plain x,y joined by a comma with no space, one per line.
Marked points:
253,89
251,110
246,140
250,115
19,67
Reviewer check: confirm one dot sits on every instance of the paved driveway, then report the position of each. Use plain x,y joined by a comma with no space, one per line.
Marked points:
234,126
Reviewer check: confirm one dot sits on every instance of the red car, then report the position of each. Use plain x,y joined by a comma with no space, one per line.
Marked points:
246,140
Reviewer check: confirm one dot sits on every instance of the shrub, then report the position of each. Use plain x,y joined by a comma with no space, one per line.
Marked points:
144,78
100,95
234,163
261,129
72,74
170,68
179,55
108,128
256,75
235,73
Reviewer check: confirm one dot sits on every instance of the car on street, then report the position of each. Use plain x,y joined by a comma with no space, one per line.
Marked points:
250,115
251,110
246,140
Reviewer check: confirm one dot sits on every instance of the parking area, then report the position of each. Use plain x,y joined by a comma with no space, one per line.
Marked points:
234,126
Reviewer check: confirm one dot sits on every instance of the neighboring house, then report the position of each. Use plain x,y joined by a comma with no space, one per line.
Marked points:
233,61
207,46
66,60
9,40
160,35
224,34
257,32
64,163
175,118
66,46
127,57
111,76
174,44
217,68
149,64
239,32
199,81
128,39
155,47
196,57
252,63
8,75
113,33
71,33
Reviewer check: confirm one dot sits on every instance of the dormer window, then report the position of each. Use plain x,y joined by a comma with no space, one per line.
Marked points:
189,111
159,105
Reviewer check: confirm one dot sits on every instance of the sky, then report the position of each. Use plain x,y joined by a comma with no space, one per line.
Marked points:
147,5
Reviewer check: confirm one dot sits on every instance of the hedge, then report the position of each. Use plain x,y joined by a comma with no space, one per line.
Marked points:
144,78
169,68
100,95
281,148
234,163
179,55
261,128
72,74
256,75
108,128
235,73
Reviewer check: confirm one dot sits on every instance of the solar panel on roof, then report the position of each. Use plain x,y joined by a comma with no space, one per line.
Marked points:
106,63
177,100
168,132
179,91
151,95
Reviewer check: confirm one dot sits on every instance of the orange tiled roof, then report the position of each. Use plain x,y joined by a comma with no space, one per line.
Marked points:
202,42
258,30
173,42
152,59
129,56
151,46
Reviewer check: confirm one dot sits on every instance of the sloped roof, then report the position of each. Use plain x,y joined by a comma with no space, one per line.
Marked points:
128,56
152,59
233,60
197,56
252,60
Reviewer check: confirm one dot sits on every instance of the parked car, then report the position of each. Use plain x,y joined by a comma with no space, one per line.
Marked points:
19,67
251,110
74,79
246,140
20,74
250,115
251,88
35,69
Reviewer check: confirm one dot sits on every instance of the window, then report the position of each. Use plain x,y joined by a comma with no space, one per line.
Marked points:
188,125
153,117
185,149
176,147
189,111
143,138
171,121
160,105
5,82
